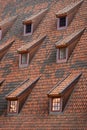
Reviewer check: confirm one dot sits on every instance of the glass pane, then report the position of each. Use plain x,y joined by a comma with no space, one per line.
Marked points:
62,22
23,58
56,104
13,106
62,53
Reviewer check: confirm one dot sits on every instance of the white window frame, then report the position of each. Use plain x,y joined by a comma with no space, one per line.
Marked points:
58,23
30,33
20,63
58,60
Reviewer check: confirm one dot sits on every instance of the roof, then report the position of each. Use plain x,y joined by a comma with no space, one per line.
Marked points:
61,87
5,46
19,90
69,39
35,114
68,8
33,17
7,20
31,45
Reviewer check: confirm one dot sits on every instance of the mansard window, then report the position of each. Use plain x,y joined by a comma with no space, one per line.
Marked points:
13,106
56,104
23,60
28,28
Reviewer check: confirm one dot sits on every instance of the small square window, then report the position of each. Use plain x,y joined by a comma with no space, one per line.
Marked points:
62,53
62,21
56,104
13,106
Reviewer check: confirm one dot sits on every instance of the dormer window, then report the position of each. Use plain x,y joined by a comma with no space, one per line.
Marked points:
56,104
13,107
65,46
62,22
26,52
65,15
28,29
31,23
23,60
60,93
17,97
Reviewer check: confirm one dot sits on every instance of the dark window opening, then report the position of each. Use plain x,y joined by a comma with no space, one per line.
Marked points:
62,22
28,28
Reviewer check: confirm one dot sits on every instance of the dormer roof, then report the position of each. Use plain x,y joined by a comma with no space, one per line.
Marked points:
6,24
68,9
24,89
31,45
35,17
64,85
69,39
5,46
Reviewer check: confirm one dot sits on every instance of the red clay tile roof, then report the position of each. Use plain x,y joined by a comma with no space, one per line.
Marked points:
34,17
15,94
31,45
69,8
69,39
61,87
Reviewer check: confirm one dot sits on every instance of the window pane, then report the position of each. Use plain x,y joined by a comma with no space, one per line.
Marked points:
23,58
62,22
13,106
28,28
62,53
56,104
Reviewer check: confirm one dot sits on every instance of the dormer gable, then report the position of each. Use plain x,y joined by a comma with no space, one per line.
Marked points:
5,25
27,51
65,15
61,92
65,46
18,96
5,46
31,23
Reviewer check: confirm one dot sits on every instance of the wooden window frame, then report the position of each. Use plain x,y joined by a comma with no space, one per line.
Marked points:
20,60
51,105
58,59
58,23
17,109
30,33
